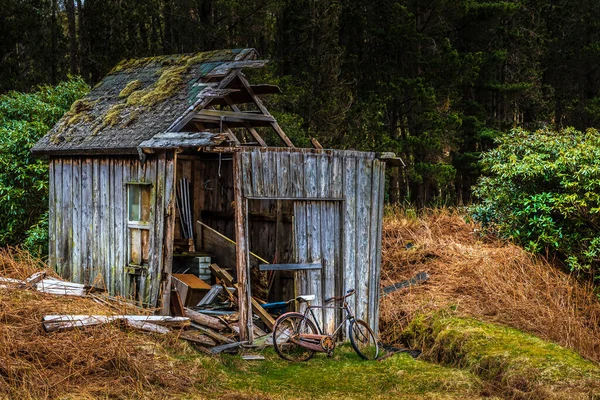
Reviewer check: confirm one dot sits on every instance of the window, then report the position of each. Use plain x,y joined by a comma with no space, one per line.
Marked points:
138,200
138,222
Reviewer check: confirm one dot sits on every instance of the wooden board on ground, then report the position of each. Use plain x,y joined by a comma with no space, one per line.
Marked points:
256,307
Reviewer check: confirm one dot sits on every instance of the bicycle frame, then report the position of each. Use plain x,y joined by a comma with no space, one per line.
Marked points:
345,306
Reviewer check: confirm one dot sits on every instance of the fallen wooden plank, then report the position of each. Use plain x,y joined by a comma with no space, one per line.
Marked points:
253,357
228,346
53,323
289,267
205,320
200,339
36,277
256,307
418,278
146,326
217,336
55,286
211,296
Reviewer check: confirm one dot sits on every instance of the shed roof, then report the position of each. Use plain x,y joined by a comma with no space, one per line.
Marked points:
142,98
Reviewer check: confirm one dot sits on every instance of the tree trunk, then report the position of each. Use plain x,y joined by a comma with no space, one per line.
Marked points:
72,28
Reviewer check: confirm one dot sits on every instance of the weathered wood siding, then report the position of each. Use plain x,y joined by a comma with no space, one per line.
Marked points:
338,204
88,220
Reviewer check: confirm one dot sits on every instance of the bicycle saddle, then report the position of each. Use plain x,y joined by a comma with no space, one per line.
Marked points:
306,297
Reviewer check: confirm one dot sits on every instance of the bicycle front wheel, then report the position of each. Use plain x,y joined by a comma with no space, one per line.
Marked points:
363,340
286,327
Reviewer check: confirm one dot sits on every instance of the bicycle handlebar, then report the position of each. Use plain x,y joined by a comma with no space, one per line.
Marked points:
349,293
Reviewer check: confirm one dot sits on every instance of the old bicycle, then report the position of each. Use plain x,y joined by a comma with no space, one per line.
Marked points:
297,336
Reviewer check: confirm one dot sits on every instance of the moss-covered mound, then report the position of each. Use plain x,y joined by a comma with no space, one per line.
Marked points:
513,364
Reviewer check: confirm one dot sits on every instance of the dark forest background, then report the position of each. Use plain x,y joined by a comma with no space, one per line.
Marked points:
433,81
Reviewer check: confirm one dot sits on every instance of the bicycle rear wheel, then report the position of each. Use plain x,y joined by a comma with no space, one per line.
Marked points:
286,327
363,340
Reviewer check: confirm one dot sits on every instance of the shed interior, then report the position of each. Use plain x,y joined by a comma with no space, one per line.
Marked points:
211,202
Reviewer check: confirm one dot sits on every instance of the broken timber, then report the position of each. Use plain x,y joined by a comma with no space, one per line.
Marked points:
52,323
257,308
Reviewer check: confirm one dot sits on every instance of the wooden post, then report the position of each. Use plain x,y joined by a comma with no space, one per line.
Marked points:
169,226
241,252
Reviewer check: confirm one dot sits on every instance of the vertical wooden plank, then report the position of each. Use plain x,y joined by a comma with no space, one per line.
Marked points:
157,232
67,216
58,215
311,171
297,174
128,280
363,215
379,232
349,228
247,176
313,228
76,212
95,237
149,279
199,195
300,247
87,220
257,173
328,232
324,176
373,283
337,185
282,165
241,252
106,228
119,204
167,259
52,230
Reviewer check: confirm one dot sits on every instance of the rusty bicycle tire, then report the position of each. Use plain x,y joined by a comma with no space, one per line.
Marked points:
363,340
289,351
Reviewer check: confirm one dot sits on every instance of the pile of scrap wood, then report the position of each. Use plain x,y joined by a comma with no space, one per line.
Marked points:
214,321
206,325
39,282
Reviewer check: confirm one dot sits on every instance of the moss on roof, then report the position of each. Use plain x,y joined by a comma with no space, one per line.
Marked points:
136,100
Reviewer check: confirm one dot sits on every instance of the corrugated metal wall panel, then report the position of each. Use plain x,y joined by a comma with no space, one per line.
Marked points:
88,220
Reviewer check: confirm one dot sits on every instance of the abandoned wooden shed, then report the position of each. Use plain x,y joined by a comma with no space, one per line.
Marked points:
159,132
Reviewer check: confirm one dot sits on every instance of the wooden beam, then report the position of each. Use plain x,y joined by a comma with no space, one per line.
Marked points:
241,252
250,128
289,267
230,134
169,230
216,116
316,143
264,110
181,122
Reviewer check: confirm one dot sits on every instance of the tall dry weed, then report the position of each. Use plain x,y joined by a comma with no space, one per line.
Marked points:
482,277
96,362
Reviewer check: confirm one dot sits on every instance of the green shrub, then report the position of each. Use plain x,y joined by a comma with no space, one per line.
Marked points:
543,190
24,119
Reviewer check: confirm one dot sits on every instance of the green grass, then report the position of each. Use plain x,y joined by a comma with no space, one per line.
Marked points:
462,359
345,376
511,362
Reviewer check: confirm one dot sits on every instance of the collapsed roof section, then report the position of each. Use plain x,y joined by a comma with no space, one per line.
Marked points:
179,101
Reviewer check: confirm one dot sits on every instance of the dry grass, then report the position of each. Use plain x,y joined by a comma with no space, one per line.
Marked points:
100,362
482,277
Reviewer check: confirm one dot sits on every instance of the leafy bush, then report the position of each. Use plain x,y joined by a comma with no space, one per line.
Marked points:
543,190
25,118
